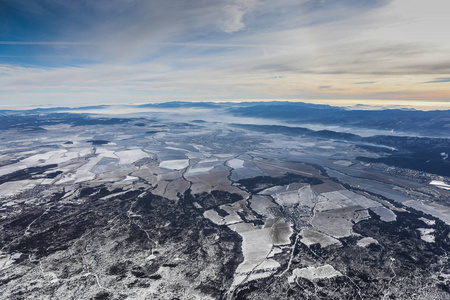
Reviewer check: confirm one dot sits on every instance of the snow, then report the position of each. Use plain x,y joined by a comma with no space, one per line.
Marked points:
224,155
440,184
428,221
235,163
274,252
130,178
281,231
341,199
12,188
40,159
208,160
61,157
239,279
322,272
194,155
175,164
214,217
6,260
106,153
268,264
287,199
197,205
232,210
339,223
344,163
151,257
385,214
364,242
82,174
65,178
130,156
262,204
304,196
434,209
256,245
47,181
426,234
359,199
332,200
203,166
199,170
311,237
176,149
274,190
255,276
53,157
307,196
11,168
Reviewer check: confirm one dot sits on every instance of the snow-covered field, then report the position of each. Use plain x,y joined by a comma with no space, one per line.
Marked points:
175,164
366,241
8,169
12,188
130,156
256,246
311,273
385,214
434,209
311,237
235,163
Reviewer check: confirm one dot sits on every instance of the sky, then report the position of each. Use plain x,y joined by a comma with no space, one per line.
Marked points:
84,52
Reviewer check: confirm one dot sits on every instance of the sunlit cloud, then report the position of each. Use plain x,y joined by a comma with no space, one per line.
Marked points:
111,51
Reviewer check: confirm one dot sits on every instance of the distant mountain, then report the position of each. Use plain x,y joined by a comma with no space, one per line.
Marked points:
413,121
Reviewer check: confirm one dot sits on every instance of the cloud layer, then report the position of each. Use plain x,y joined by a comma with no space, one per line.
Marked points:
104,51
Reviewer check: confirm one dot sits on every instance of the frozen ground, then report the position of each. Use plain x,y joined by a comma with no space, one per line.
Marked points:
158,209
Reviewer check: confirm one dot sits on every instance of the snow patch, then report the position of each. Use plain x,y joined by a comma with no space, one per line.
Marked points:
440,184
175,164
130,156
235,163
364,242
311,273
428,221
426,234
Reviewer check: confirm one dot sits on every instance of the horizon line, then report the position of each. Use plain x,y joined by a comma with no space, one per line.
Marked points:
378,104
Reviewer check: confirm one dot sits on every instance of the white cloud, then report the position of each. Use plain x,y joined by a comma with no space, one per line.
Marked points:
234,15
233,18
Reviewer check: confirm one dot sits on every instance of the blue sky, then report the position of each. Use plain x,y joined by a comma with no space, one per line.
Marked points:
129,51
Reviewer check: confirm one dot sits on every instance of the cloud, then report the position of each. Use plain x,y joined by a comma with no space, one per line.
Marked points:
204,49
183,44
438,80
234,15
